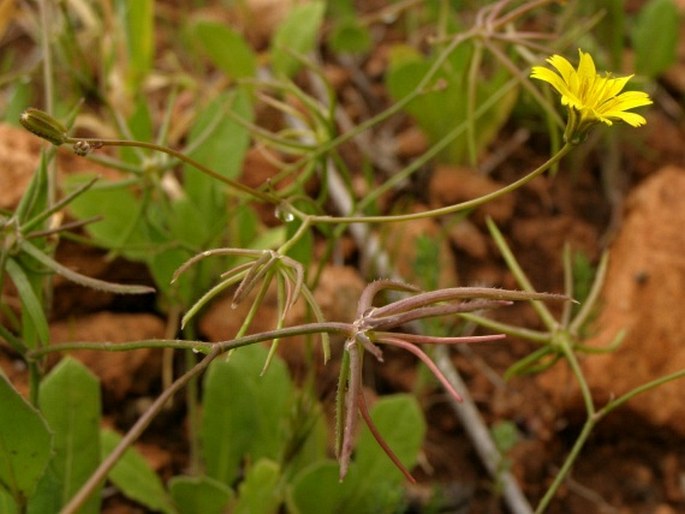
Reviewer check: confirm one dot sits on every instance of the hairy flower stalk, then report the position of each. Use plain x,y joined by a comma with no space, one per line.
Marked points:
591,98
371,328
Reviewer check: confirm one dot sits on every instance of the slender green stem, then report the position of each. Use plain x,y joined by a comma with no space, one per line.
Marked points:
563,340
77,278
614,404
592,420
521,278
134,433
518,12
419,90
330,327
522,78
568,463
261,195
47,57
592,298
568,285
511,330
49,93
259,298
139,427
301,231
434,150
471,94
193,408
177,344
443,211
593,417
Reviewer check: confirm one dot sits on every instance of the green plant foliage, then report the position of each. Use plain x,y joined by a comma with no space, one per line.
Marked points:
70,402
505,434
140,126
244,413
32,307
165,232
439,109
227,49
7,503
296,36
19,98
121,228
224,151
134,477
427,255
373,483
137,18
193,495
25,445
350,36
317,489
655,37
259,493
583,276
35,198
258,444
303,250
399,419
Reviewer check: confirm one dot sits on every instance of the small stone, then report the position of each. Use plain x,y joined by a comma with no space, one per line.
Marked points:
411,142
643,294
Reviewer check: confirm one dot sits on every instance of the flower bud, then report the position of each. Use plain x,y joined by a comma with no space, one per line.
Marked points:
43,125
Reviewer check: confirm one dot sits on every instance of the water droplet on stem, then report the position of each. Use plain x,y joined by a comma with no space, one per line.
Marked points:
283,213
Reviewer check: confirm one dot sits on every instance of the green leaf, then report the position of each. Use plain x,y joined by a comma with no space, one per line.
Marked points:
350,36
655,37
438,110
141,127
223,151
35,198
69,398
122,224
20,96
137,19
505,434
134,477
307,439
227,49
303,250
193,495
296,36
25,443
243,226
400,422
140,122
317,489
188,226
244,414
373,483
162,266
30,302
7,503
259,492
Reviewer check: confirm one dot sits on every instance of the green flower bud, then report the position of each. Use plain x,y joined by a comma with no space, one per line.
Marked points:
43,125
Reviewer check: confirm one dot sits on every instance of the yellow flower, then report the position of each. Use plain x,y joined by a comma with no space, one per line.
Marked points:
591,98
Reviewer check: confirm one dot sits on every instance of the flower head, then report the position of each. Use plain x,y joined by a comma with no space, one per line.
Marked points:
43,125
591,98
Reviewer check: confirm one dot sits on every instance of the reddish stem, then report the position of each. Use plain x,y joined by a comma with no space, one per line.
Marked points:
364,411
427,361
